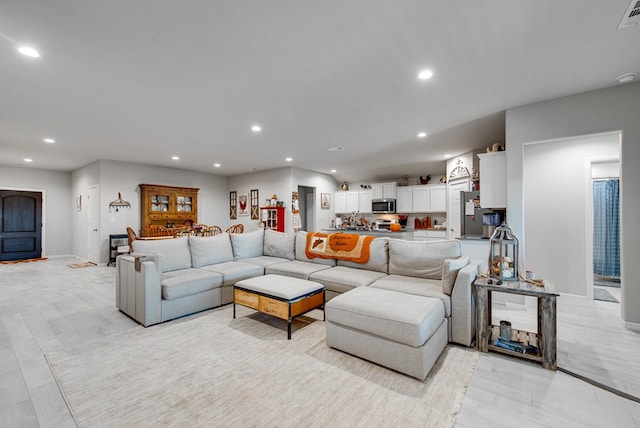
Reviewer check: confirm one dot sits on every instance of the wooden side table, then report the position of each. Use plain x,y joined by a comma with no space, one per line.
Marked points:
545,339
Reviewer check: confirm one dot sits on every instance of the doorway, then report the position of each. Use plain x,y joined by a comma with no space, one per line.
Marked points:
306,198
20,225
93,232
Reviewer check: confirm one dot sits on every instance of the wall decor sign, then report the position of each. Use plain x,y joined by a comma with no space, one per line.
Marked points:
255,206
233,202
243,204
79,203
325,201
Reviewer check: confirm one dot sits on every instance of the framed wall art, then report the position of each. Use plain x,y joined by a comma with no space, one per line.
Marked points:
255,209
233,202
325,201
243,204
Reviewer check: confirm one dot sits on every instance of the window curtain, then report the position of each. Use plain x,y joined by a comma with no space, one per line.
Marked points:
606,228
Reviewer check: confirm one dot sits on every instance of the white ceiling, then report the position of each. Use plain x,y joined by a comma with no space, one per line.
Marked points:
144,80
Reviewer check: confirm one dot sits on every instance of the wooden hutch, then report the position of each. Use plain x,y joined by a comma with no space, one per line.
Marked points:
167,206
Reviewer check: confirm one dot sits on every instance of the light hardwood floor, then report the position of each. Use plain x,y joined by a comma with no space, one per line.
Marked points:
47,305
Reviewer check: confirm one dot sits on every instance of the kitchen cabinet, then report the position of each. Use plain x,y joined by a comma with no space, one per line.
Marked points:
493,179
438,198
421,199
167,206
352,200
430,235
365,201
384,190
404,200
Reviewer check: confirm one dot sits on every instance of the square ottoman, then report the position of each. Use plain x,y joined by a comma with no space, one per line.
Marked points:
400,331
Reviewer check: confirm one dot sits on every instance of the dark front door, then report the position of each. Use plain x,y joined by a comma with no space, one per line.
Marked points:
20,225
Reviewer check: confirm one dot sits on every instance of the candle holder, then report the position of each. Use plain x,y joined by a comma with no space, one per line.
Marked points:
503,254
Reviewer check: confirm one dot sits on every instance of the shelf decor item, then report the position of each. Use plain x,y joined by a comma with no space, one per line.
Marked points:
118,203
503,254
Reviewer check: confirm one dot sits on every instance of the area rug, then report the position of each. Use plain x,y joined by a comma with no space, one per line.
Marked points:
81,265
213,370
12,262
604,295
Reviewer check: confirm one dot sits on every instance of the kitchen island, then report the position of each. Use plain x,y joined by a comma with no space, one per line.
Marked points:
403,234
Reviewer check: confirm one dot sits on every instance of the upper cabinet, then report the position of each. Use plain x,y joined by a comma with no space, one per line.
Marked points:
167,206
352,201
384,190
493,180
421,199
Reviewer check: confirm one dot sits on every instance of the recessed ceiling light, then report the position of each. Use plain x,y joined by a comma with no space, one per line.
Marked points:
28,160
29,51
333,170
425,74
256,128
217,165
335,149
422,134
289,159
175,157
49,140
625,78
253,169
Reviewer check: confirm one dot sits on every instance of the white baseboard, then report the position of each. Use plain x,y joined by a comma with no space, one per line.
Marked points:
635,326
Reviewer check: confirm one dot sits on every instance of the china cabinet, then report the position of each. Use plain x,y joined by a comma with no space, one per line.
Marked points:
167,206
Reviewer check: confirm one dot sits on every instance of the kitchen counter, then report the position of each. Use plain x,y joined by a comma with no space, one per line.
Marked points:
472,238
403,234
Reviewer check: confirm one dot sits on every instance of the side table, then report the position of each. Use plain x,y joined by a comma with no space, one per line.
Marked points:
545,339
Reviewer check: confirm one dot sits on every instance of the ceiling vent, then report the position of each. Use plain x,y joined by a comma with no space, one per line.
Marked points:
631,16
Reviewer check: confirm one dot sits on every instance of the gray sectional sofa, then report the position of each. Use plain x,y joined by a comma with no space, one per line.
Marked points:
165,279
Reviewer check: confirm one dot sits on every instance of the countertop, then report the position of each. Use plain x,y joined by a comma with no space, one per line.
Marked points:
473,238
403,234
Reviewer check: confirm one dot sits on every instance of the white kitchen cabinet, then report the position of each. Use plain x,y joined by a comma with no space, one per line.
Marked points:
353,201
420,196
493,180
404,199
436,235
437,198
384,190
365,201
419,235
340,202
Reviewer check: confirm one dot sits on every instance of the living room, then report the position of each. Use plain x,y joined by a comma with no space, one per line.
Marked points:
603,107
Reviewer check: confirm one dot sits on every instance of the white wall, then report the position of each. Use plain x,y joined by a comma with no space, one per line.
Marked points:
606,110
557,186
57,203
282,182
124,177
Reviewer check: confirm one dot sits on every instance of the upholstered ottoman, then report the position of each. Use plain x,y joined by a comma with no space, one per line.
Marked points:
400,331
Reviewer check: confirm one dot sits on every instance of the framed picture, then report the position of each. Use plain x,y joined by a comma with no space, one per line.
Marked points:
255,211
325,201
79,203
233,200
243,204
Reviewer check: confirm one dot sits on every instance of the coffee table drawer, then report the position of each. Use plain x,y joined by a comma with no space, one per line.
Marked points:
247,299
274,307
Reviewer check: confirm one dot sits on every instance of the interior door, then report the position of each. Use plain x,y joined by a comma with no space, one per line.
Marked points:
20,225
453,215
93,248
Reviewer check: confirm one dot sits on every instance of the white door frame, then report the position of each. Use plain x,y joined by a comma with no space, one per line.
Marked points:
93,229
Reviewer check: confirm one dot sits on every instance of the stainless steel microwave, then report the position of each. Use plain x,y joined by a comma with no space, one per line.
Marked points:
383,206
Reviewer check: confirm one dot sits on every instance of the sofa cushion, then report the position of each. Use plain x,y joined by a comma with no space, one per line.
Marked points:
278,244
247,245
378,257
398,317
421,259
301,245
450,270
264,260
187,282
175,252
235,271
295,268
415,286
343,278
209,250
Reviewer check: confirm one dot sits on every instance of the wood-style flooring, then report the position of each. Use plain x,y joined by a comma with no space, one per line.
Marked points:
47,305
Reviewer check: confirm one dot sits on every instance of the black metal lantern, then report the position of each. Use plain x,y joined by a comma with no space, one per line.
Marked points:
503,254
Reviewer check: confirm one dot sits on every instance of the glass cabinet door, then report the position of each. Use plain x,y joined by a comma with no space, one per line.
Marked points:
159,202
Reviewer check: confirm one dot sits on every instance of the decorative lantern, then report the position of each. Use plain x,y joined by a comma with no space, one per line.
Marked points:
503,254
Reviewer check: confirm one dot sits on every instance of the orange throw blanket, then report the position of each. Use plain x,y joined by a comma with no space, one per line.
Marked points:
344,246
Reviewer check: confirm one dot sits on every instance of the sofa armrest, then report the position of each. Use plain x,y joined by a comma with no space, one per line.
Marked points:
463,311
138,291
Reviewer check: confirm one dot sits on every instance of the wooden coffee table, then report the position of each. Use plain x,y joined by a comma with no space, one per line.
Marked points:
281,296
